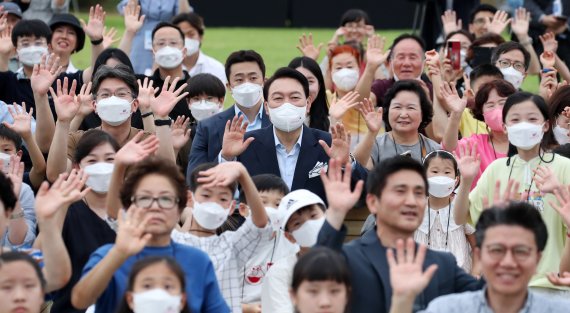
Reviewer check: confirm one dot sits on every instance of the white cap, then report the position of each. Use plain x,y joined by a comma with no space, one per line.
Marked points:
294,201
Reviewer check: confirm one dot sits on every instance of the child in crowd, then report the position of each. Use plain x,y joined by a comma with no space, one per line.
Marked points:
438,229
212,188
302,213
156,284
271,189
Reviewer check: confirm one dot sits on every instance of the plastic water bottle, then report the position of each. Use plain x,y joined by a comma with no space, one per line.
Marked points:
557,8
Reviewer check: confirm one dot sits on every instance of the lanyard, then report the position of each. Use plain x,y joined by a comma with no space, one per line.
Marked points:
531,180
422,147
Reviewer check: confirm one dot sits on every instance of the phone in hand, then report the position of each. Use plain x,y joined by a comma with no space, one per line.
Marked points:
454,54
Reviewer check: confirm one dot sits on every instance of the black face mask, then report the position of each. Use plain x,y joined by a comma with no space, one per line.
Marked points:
481,55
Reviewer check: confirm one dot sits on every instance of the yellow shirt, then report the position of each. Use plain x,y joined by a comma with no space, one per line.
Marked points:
468,125
522,172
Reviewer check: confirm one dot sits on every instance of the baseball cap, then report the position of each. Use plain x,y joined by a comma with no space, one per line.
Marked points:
294,201
71,20
12,8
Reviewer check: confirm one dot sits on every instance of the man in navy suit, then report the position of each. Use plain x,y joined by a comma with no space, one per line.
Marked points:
245,71
289,149
397,195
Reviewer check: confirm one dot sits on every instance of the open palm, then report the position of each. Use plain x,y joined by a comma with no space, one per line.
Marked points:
44,74
168,98
66,104
131,237
136,149
180,132
340,147
372,117
375,54
468,160
562,206
22,120
452,99
342,105
96,24
64,191
233,143
337,187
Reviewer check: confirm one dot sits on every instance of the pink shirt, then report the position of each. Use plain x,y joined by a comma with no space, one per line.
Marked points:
486,152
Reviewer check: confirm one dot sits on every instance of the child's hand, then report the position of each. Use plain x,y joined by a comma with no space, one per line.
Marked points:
223,174
468,161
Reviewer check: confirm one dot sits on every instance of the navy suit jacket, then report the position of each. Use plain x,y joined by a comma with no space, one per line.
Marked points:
370,273
207,142
261,158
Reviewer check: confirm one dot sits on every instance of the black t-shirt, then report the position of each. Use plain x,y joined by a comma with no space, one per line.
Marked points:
83,232
181,108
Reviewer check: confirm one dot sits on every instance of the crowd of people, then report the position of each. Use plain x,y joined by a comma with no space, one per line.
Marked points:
127,187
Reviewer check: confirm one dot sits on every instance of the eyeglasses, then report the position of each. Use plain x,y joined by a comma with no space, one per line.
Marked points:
519,66
164,202
498,252
121,93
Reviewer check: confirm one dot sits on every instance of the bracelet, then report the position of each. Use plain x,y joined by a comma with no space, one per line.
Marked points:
97,42
16,216
167,122
147,114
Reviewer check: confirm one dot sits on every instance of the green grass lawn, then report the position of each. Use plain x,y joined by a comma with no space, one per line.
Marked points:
276,45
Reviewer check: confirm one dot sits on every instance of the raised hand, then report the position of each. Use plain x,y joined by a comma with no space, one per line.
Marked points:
451,97
109,37
45,73
521,22
180,132
502,200
468,161
547,59
407,277
562,206
499,22
3,20
432,63
65,101
15,173
450,22
549,42
136,149
22,124
340,148
96,24
131,236
64,191
85,100
341,106
545,179
223,174
372,117
133,20
146,94
168,98
548,81
233,143
341,197
307,47
562,280
375,55
6,46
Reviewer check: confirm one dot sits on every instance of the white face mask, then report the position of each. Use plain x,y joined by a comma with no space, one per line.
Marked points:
247,94
203,109
99,176
345,79
273,215
441,186
31,55
5,161
525,135
306,235
513,76
168,57
192,46
288,117
561,135
209,215
156,301
114,110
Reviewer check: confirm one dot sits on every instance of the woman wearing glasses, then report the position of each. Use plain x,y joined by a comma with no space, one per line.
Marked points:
154,195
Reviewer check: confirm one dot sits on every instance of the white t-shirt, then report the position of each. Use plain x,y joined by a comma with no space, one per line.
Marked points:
268,253
275,288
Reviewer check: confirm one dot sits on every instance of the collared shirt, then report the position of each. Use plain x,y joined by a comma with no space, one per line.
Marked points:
287,160
207,64
256,124
476,302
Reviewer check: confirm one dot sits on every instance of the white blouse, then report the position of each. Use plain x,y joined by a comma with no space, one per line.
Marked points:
443,228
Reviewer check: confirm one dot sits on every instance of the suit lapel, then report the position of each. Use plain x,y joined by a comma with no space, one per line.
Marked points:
376,254
308,157
265,122
223,118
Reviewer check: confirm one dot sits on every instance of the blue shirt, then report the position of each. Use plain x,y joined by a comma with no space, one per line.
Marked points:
287,160
256,124
6,117
201,284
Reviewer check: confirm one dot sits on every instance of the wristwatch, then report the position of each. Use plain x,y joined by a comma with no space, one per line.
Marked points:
166,122
15,216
